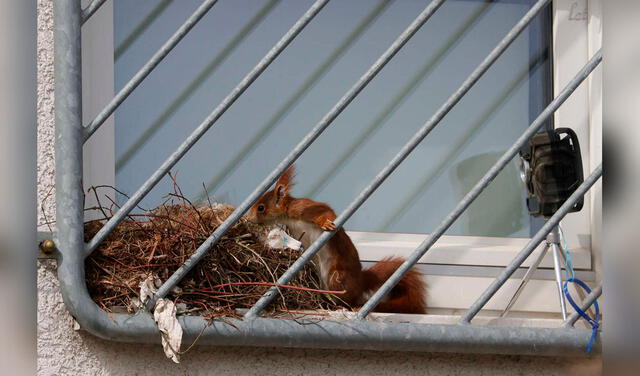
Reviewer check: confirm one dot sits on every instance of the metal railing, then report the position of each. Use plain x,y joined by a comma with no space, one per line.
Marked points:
255,330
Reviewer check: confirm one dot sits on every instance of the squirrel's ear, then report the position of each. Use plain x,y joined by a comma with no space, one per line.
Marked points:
281,191
286,179
284,183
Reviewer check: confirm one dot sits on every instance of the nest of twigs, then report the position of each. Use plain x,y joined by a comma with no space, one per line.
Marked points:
233,274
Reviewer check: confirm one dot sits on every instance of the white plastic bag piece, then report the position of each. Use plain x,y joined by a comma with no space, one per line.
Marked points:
149,287
279,239
170,330
221,206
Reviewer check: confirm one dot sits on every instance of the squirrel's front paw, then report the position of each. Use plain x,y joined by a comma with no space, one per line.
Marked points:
328,225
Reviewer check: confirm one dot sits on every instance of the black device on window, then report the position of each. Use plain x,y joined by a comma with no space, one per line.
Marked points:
552,171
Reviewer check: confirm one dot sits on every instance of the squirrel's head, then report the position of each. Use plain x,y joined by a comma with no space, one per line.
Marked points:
273,204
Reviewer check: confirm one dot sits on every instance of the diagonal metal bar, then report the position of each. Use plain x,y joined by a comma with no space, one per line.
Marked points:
91,9
531,246
525,280
148,67
402,154
584,306
206,124
328,118
246,29
480,186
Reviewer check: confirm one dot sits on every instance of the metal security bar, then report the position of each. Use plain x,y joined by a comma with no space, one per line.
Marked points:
254,330
204,126
148,67
588,301
482,184
291,157
91,9
395,162
532,245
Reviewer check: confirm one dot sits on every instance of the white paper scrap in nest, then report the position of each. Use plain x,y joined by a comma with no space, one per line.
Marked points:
279,239
170,330
149,287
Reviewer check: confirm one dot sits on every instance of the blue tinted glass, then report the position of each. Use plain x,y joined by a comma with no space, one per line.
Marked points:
307,80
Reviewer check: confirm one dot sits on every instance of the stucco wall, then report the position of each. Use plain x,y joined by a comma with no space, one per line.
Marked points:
45,111
64,351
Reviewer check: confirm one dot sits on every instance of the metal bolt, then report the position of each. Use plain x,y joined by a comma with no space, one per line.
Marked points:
47,246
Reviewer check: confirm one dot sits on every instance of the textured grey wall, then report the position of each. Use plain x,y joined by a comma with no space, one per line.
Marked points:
63,351
46,165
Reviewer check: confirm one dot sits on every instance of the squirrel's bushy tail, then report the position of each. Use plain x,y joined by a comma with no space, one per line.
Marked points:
408,296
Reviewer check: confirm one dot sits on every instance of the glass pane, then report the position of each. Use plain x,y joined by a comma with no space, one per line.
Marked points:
307,80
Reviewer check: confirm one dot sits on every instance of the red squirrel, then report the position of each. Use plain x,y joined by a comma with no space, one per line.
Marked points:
338,262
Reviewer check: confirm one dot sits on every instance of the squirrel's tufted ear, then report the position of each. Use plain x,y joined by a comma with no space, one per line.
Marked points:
284,183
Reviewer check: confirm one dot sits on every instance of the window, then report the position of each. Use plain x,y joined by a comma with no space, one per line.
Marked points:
310,75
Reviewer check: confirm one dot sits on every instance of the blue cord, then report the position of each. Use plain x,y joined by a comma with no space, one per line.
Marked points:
571,277
569,269
594,322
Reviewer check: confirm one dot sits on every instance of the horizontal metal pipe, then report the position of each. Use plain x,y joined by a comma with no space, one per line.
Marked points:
584,306
324,334
205,125
148,68
91,9
402,154
354,334
479,187
531,246
315,132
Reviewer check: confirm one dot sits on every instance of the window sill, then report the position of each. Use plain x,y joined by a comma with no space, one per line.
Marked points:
457,250
459,268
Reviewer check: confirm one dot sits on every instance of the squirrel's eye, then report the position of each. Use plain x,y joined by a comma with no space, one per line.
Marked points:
260,208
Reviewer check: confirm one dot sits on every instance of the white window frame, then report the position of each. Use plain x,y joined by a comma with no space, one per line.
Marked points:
458,268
